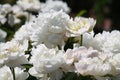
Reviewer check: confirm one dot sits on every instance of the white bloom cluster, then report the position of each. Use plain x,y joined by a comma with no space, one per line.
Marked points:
13,53
55,5
17,12
107,41
24,8
46,61
4,10
6,74
41,45
49,28
92,62
11,14
31,5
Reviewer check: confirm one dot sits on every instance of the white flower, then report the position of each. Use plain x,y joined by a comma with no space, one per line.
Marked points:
23,33
93,66
55,5
114,60
2,19
6,74
3,35
20,74
49,28
45,60
92,62
31,5
107,41
18,11
4,9
79,26
74,55
13,53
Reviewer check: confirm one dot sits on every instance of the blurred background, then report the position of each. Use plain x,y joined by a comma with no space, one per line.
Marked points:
106,12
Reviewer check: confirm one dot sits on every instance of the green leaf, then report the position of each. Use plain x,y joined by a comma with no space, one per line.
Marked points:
81,13
27,65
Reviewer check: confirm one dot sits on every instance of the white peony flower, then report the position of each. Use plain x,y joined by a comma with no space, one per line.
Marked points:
99,64
31,5
55,5
114,60
49,28
92,62
45,61
107,41
12,53
3,35
79,26
74,55
93,66
6,74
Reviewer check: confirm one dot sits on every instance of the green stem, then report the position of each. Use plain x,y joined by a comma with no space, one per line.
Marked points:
13,72
81,40
59,47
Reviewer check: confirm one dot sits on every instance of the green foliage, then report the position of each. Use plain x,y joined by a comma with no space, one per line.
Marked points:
82,12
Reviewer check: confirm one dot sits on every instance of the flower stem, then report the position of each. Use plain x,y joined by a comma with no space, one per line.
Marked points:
81,40
13,72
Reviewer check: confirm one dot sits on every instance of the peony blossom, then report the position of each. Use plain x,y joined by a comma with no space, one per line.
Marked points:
45,61
93,66
5,73
79,26
106,41
12,53
92,62
49,28
74,55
